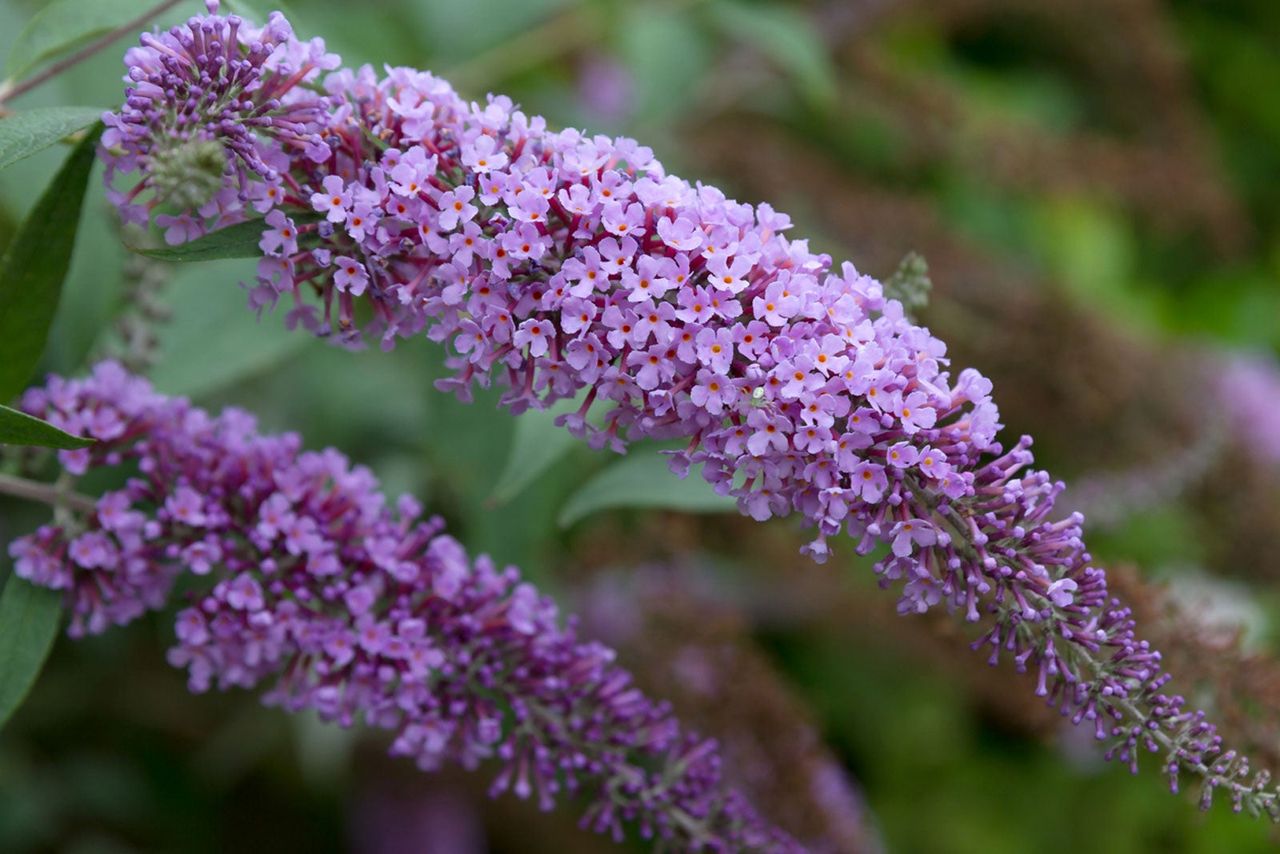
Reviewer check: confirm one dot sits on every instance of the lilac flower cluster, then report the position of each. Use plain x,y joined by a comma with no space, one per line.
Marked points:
567,264
359,611
573,265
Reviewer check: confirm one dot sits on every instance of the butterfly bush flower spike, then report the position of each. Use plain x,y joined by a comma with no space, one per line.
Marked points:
565,264
318,590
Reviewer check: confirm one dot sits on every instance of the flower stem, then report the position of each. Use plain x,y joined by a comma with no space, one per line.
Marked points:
9,91
46,493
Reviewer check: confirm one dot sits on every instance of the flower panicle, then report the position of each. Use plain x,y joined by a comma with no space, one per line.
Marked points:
569,265
334,601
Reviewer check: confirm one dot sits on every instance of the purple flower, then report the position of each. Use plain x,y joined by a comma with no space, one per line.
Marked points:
201,556
281,238
187,506
483,155
909,534
914,412
715,349
534,334
868,481
179,229
456,208
244,594
332,199
713,392
412,173
1060,592
932,463
93,550
902,455
681,234
349,276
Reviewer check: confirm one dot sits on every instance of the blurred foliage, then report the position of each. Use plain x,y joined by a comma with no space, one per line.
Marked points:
1120,157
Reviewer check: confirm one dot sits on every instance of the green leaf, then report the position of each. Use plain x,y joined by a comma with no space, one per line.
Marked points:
234,241
23,134
213,339
33,269
64,25
19,428
643,480
536,445
29,618
786,36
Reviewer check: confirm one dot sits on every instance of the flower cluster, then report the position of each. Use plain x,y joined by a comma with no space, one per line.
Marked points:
568,265
209,88
573,265
360,611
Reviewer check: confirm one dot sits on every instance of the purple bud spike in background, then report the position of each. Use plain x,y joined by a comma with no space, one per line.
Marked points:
340,604
1250,390
567,264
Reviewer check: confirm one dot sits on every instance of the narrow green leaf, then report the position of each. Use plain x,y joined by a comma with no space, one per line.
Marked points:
786,36
234,241
35,265
643,480
64,25
24,133
19,428
536,445
29,618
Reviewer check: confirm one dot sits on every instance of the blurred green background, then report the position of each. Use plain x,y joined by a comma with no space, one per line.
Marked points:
1096,184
